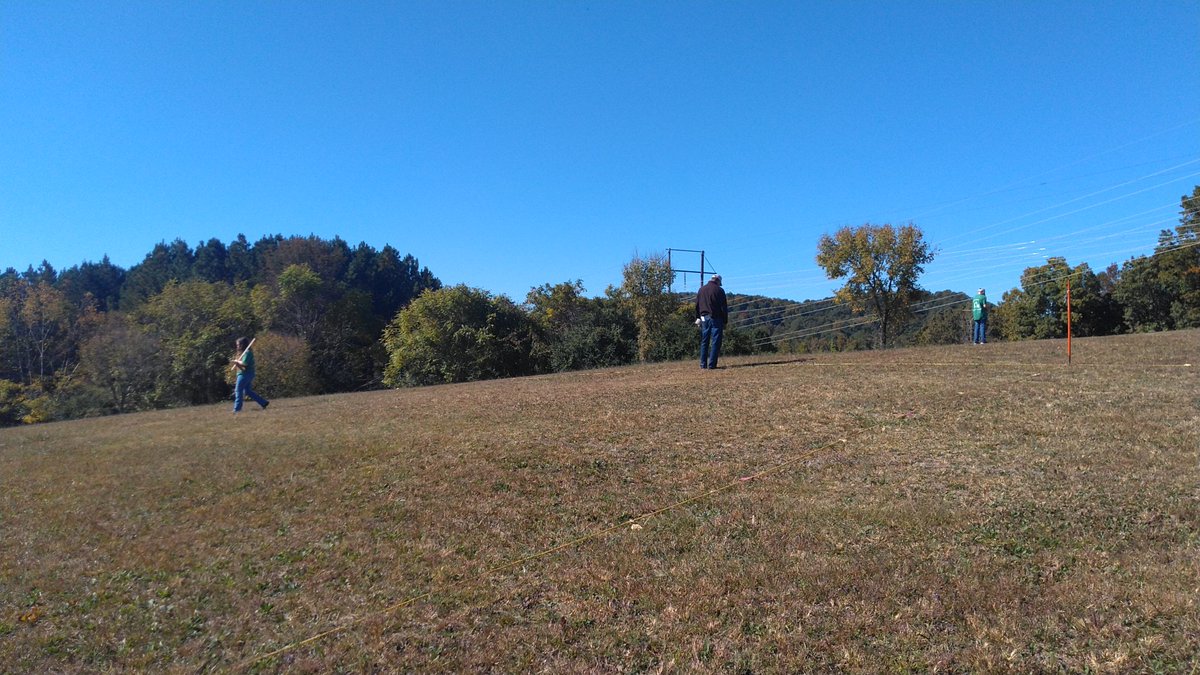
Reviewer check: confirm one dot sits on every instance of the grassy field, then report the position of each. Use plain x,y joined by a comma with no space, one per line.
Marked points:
943,509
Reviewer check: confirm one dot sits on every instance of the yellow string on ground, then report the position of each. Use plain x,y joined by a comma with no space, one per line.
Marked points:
549,551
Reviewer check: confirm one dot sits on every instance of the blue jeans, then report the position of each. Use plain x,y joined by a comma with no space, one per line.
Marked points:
242,389
980,336
710,341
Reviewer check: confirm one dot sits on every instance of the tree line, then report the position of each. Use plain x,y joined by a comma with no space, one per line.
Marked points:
98,339
1160,291
881,304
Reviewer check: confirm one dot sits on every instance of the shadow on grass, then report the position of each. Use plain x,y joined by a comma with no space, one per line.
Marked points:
767,363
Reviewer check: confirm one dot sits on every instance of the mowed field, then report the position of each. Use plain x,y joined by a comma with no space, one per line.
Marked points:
970,508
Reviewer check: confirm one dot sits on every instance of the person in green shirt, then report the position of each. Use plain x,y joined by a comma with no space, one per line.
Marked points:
245,367
979,311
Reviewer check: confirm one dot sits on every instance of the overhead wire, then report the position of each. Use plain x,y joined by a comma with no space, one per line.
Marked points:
1026,251
1083,197
835,303
919,307
958,252
1080,210
966,259
1015,246
849,323
1020,181
1020,250
1025,182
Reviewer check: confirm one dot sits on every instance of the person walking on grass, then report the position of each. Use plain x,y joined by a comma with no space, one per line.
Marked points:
979,311
244,364
712,311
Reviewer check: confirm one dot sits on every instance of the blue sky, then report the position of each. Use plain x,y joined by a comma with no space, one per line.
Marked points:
511,144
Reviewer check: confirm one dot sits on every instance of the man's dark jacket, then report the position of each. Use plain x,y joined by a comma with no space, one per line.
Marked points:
711,301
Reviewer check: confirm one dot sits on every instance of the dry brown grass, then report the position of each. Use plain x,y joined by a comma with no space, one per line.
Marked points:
990,509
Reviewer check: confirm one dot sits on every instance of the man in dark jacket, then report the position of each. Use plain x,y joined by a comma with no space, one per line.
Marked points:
712,311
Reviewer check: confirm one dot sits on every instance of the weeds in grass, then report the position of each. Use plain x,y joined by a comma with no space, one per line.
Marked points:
988,510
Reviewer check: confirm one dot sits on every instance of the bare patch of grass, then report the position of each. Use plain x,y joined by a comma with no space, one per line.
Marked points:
967,509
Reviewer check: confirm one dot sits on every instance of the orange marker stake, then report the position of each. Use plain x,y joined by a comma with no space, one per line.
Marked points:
1068,321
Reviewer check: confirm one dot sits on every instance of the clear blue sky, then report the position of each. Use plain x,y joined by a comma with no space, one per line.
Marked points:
510,144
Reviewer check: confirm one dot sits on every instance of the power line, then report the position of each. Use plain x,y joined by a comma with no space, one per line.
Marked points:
1014,184
1080,198
836,304
833,327
1020,250
1014,249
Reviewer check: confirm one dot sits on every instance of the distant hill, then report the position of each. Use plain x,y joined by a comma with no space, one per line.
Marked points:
826,325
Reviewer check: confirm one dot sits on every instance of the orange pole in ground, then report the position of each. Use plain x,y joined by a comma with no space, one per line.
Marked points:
1068,321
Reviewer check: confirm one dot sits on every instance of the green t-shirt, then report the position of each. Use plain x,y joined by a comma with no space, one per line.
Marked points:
979,307
248,362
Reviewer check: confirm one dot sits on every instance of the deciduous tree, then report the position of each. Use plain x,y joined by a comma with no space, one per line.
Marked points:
197,323
127,363
457,334
289,370
44,323
645,290
881,265
1038,309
